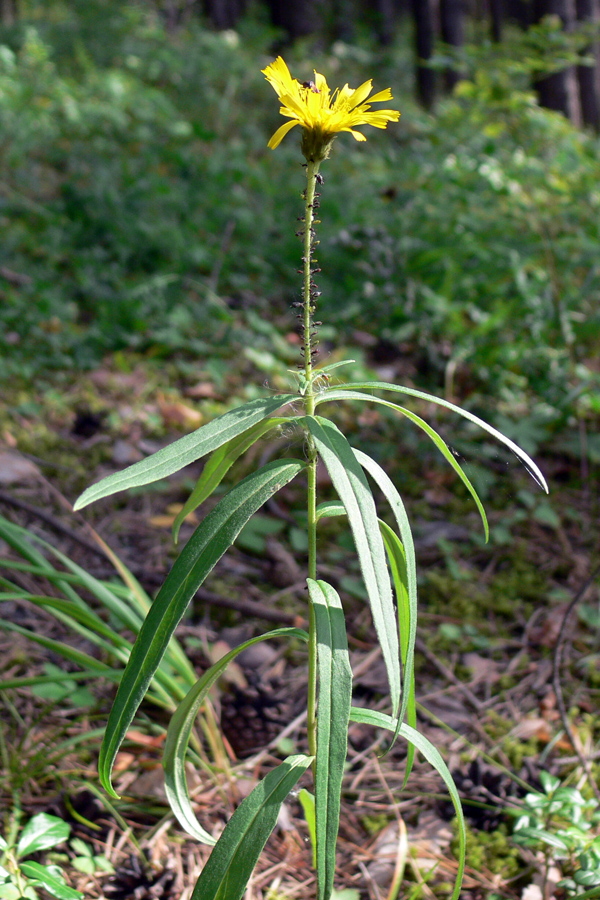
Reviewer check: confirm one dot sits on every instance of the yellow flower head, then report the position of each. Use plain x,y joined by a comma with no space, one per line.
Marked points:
322,114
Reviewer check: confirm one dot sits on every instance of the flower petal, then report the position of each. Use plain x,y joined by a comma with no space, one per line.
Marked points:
281,133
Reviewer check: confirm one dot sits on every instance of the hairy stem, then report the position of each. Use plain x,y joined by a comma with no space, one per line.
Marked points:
308,298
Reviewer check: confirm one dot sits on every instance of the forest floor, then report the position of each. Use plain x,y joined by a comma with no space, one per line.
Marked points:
508,657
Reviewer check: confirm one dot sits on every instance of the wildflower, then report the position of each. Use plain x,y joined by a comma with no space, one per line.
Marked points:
322,114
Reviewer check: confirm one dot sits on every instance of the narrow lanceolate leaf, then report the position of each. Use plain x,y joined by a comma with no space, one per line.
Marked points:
219,464
433,757
353,490
206,546
187,449
333,714
397,559
403,566
180,727
437,440
229,866
340,393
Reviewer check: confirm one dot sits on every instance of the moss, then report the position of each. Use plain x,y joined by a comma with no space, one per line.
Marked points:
374,824
492,851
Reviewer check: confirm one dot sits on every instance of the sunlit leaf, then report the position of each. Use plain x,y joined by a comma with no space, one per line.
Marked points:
219,464
340,393
187,449
353,490
229,866
333,713
180,727
206,546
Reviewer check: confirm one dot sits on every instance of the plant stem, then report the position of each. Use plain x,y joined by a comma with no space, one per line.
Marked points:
309,400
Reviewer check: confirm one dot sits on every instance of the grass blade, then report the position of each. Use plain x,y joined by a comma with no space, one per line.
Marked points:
433,757
353,490
226,873
206,546
333,714
180,727
340,394
186,450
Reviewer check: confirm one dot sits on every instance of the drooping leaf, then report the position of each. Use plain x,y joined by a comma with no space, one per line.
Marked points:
433,757
333,714
229,866
437,440
206,546
339,393
403,565
400,578
187,449
353,490
42,832
180,727
219,464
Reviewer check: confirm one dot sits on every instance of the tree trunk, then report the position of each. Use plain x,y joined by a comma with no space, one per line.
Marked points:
423,17
9,13
519,11
496,15
296,17
453,32
224,13
553,90
386,21
587,11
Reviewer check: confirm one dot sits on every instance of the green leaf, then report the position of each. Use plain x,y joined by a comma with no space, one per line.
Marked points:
180,727
403,565
50,882
433,757
353,490
219,464
229,866
333,715
407,626
339,393
437,440
330,509
206,546
307,802
187,449
41,832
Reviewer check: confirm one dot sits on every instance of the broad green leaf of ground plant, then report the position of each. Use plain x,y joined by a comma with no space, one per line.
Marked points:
353,490
437,440
433,757
204,549
229,866
180,727
218,465
42,832
333,715
405,575
187,449
46,878
340,392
